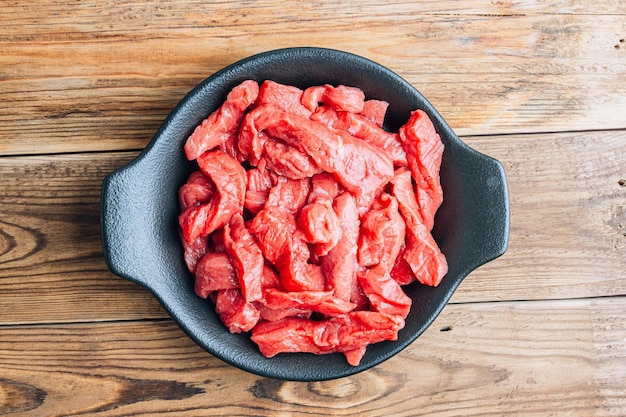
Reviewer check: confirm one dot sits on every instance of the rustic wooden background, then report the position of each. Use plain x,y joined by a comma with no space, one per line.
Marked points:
541,86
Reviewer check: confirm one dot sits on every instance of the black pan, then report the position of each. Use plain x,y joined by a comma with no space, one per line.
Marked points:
139,210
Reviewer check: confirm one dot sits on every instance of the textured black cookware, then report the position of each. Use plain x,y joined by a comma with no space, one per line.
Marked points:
139,209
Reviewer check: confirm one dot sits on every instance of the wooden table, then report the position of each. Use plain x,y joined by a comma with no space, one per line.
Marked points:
541,86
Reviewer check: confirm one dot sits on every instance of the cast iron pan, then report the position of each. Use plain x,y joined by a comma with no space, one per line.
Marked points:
139,210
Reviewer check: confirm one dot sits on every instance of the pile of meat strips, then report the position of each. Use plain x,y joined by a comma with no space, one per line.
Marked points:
306,218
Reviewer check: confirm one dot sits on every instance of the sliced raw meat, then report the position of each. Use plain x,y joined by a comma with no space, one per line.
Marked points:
259,184
197,190
214,272
284,246
246,257
287,97
320,225
271,314
361,168
373,134
318,219
298,228
401,270
288,161
384,293
337,334
375,110
340,98
193,251
229,178
339,265
290,195
236,314
222,124
424,151
382,234
421,252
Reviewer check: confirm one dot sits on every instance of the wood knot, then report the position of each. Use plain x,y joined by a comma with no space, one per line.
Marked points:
18,397
353,391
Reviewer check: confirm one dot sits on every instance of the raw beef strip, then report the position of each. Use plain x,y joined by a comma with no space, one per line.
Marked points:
340,98
246,257
421,252
384,293
361,168
343,333
339,265
229,178
424,153
288,161
214,272
375,110
236,314
259,184
287,97
222,124
373,134
284,246
318,219
197,190
382,234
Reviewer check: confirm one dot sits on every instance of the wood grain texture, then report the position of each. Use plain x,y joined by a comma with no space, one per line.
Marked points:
51,263
490,359
568,218
568,233
93,77
540,331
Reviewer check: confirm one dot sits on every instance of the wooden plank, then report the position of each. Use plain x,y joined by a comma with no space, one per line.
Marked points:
516,359
567,236
51,263
568,217
491,69
92,16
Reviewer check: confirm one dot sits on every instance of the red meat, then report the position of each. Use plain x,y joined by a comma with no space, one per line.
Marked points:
343,333
197,190
361,168
332,231
339,265
421,252
229,178
284,246
384,293
375,110
401,270
214,272
193,251
340,98
246,258
233,310
373,134
320,225
287,97
258,189
290,195
363,128
424,153
288,161
222,124
271,314
318,219
326,116
382,234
